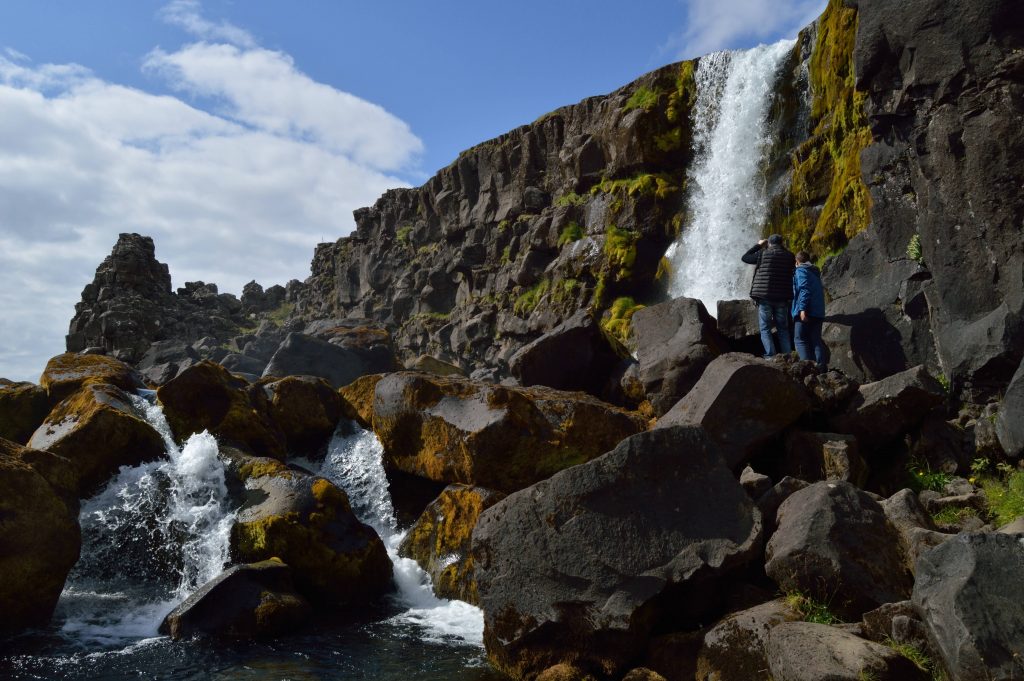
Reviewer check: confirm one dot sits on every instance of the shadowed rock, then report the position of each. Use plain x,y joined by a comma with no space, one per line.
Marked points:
253,600
580,567
23,407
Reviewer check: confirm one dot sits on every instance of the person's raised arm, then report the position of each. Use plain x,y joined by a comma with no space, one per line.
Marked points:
754,254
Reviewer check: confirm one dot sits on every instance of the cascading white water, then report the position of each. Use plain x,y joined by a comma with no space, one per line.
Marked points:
727,197
354,462
154,534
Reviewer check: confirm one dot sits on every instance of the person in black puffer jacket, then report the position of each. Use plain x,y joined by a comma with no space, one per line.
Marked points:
772,290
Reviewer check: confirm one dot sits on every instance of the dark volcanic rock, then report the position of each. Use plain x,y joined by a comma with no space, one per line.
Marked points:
306,409
302,355
166,359
804,651
824,456
742,402
129,305
675,341
307,522
580,567
835,543
890,408
23,406
40,541
1010,422
251,600
943,83
98,430
207,397
575,355
66,373
969,593
734,649
504,438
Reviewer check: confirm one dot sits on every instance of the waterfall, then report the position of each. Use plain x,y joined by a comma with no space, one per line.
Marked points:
727,197
153,535
354,462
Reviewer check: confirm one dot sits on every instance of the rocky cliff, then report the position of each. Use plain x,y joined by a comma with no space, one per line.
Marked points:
897,158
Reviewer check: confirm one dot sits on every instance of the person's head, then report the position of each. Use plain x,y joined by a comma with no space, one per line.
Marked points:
802,257
775,240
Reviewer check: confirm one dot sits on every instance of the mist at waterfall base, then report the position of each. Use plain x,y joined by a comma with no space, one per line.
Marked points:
160,530
727,190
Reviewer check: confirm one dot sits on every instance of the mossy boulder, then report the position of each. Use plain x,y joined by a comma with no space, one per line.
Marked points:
253,600
23,406
307,522
450,429
306,409
357,399
39,543
206,396
99,430
441,539
66,373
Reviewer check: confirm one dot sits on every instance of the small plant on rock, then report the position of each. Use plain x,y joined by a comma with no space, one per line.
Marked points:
571,232
922,477
918,657
810,609
914,249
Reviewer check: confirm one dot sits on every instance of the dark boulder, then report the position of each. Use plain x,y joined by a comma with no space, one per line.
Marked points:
742,402
739,326
253,600
675,341
207,397
23,406
835,544
302,355
307,522
914,524
40,542
504,438
582,566
888,409
238,363
164,360
575,355
969,592
306,409
98,429
804,651
734,649
770,501
65,374
1010,421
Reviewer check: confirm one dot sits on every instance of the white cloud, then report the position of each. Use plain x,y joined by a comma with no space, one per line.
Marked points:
713,25
187,14
242,192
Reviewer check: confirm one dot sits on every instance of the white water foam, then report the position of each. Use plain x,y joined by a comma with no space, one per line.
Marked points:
354,462
151,537
727,194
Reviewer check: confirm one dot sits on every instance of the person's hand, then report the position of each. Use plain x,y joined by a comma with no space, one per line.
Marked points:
803,315
762,242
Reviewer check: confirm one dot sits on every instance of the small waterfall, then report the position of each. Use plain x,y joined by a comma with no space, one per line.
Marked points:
354,463
154,534
727,195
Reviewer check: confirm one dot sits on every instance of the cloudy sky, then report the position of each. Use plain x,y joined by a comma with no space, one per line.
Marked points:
240,134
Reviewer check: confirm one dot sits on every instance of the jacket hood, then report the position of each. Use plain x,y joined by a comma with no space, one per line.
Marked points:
812,267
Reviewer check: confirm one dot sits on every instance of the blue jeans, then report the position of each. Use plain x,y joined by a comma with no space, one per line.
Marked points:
769,312
808,340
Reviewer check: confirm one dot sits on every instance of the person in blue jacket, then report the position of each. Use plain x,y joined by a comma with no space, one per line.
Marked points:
808,310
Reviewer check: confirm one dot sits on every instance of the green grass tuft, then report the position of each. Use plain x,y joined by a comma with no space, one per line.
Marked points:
642,98
571,232
810,609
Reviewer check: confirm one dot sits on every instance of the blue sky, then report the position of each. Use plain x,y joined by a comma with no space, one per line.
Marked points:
239,134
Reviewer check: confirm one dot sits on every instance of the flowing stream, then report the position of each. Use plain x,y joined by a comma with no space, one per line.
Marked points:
727,198
158,531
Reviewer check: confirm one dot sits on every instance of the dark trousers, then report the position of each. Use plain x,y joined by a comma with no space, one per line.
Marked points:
807,337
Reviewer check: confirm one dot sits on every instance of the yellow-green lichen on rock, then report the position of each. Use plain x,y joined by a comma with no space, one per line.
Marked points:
441,539
307,522
504,438
98,430
66,373
23,406
206,396
306,409
826,167
357,399
616,320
